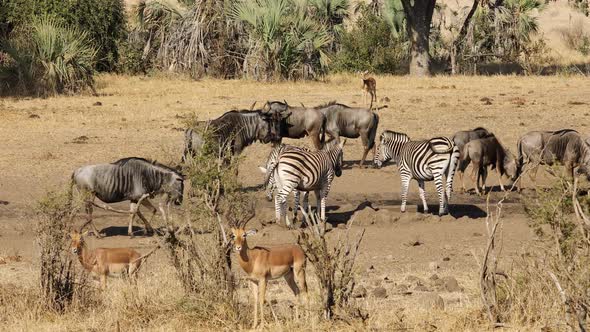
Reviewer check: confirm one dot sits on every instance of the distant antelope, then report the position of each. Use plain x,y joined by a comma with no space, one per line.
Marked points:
370,87
266,263
106,261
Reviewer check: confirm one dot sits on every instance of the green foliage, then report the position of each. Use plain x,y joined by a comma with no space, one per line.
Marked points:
102,20
49,59
285,39
372,45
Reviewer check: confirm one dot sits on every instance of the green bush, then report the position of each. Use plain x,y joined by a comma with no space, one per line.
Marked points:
371,45
102,20
48,59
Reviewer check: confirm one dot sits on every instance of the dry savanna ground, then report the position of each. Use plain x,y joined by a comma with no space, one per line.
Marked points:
420,272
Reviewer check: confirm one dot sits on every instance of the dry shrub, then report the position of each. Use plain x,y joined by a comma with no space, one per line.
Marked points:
199,246
576,37
334,267
60,285
548,286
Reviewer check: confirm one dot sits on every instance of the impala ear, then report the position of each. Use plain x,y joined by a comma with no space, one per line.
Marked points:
85,233
262,169
251,232
343,143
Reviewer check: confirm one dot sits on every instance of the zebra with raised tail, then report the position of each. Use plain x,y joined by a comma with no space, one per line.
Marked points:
425,160
301,170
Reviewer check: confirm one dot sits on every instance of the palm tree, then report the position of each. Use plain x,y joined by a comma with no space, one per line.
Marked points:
331,13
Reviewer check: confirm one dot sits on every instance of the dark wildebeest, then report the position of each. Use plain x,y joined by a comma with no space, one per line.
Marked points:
531,145
484,152
298,122
129,179
351,122
570,149
463,137
235,130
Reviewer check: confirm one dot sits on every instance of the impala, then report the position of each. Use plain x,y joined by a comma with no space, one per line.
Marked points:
369,87
105,262
266,263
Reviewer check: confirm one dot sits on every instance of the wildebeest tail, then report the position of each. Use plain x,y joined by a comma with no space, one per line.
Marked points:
373,132
464,158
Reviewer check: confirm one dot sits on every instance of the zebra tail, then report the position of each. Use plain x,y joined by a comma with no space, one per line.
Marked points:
373,132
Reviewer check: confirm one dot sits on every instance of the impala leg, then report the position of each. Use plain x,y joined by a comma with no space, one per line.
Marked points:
254,286
405,187
299,271
290,279
103,281
423,195
261,297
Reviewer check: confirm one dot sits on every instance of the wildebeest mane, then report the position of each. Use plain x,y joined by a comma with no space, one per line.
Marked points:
126,161
330,103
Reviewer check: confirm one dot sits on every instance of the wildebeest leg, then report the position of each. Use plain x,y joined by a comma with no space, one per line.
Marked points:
148,228
405,187
477,172
484,177
500,179
149,205
423,195
315,139
89,208
365,140
132,210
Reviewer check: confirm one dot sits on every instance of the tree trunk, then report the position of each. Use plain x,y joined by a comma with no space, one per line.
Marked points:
459,42
418,21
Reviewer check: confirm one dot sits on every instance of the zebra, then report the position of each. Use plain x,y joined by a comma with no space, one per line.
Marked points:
269,178
425,160
301,170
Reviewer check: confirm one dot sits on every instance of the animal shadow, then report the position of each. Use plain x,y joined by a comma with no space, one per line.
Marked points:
337,218
4,202
122,231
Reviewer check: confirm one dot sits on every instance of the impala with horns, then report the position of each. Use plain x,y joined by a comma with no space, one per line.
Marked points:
298,122
262,264
130,179
104,262
235,130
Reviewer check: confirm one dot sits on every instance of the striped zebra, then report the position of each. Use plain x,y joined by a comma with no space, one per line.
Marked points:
423,161
269,178
302,170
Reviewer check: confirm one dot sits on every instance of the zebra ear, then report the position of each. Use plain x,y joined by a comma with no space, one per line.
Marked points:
262,169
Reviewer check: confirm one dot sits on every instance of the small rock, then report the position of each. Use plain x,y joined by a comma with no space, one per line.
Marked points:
34,116
402,288
433,266
413,280
431,301
446,259
359,292
380,293
434,277
451,284
371,268
389,257
98,103
385,100
477,234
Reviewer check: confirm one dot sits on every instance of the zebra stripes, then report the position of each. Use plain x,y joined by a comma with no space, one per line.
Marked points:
301,170
426,160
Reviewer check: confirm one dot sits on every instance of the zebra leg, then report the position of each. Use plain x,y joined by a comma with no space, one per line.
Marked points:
306,203
423,195
441,194
281,204
297,194
405,187
318,197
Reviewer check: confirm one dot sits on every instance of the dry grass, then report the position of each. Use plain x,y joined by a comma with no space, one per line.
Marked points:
141,116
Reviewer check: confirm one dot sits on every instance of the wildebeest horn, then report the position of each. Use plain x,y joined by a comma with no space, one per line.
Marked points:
252,107
286,103
302,105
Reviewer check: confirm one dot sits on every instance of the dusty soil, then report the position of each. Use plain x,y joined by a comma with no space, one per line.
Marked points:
43,140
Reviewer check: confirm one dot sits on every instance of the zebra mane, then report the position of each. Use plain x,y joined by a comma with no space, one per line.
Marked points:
145,162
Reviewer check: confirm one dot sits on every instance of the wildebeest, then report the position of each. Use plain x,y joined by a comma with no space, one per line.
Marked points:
484,152
532,144
351,122
570,149
235,130
463,137
298,122
129,179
